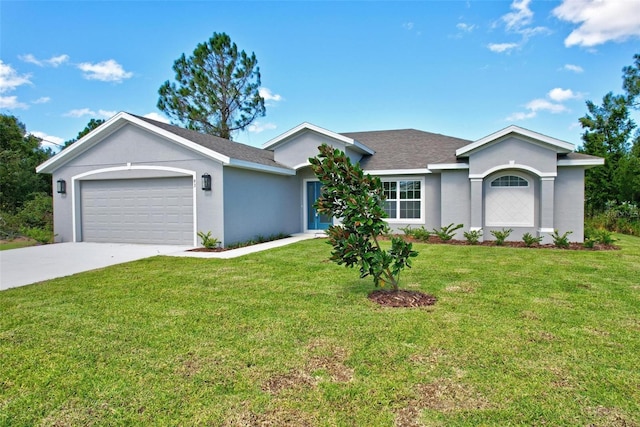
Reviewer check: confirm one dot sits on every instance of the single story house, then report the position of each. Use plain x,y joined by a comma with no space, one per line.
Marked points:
136,180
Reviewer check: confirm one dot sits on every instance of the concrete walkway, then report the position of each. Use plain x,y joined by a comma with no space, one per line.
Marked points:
19,267
234,253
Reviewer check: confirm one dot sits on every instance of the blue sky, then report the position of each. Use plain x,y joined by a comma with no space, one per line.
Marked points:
461,68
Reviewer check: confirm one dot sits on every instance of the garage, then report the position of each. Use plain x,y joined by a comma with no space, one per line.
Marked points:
149,210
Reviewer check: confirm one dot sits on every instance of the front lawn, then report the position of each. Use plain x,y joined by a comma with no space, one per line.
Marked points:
286,338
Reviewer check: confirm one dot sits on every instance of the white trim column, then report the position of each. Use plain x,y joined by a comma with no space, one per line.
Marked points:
476,205
547,187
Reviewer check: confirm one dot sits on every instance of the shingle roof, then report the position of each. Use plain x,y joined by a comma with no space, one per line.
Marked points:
407,148
234,150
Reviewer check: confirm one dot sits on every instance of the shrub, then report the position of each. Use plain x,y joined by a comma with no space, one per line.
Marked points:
208,241
561,240
417,233
446,232
40,235
501,236
618,217
473,236
530,240
357,199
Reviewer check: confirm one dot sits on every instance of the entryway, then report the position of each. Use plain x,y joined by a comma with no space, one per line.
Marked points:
315,220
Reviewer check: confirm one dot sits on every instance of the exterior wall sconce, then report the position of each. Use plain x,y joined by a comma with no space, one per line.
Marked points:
206,182
62,186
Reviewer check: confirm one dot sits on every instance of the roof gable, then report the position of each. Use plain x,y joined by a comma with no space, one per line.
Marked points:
227,152
559,146
308,127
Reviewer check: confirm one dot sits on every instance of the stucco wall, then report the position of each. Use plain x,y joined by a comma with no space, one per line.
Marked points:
455,200
137,147
297,150
569,202
259,204
513,150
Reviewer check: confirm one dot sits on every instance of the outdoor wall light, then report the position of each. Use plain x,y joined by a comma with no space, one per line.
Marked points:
62,186
206,182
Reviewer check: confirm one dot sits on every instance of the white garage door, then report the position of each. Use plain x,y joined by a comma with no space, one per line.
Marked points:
158,210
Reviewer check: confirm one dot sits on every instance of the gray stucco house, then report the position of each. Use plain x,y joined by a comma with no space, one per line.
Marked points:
136,180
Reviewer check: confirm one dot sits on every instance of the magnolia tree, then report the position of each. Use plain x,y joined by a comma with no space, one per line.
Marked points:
357,200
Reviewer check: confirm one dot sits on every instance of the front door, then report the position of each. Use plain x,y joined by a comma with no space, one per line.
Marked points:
315,221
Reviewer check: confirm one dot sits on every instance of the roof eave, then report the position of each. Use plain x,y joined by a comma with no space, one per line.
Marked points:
560,146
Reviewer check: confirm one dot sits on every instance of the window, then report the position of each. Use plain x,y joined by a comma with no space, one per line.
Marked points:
509,181
403,199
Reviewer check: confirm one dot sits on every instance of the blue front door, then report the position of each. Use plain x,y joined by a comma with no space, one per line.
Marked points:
315,221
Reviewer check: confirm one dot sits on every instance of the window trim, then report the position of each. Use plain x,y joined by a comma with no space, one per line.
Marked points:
397,180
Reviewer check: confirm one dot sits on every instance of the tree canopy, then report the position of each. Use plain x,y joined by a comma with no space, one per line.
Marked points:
216,89
609,133
93,123
20,153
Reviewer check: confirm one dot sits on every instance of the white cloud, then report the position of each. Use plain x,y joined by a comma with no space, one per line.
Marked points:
10,79
516,117
54,61
518,22
48,141
157,117
520,17
559,95
467,28
257,127
502,47
268,95
107,114
553,104
11,102
80,113
42,100
408,26
574,68
600,21
545,105
106,71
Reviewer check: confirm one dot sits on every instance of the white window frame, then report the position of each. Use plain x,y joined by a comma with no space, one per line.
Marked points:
397,180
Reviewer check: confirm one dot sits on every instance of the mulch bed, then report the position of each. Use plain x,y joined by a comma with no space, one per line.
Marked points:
402,298
572,246
208,250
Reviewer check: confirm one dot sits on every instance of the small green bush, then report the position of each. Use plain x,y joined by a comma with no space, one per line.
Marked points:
473,236
417,233
446,232
40,235
561,240
501,235
530,240
589,242
208,241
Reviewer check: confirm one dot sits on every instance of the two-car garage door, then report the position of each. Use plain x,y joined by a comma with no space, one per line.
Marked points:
150,210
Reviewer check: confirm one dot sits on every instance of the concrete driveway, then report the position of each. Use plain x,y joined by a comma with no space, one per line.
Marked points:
24,266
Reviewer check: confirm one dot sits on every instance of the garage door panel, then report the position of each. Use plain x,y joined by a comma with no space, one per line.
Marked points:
158,210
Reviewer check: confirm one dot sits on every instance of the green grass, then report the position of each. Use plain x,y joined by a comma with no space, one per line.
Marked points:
15,244
283,337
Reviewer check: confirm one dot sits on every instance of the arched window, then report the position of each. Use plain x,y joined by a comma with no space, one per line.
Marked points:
509,202
510,181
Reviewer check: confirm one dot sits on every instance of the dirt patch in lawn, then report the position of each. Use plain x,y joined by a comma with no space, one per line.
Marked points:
442,395
402,298
324,360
